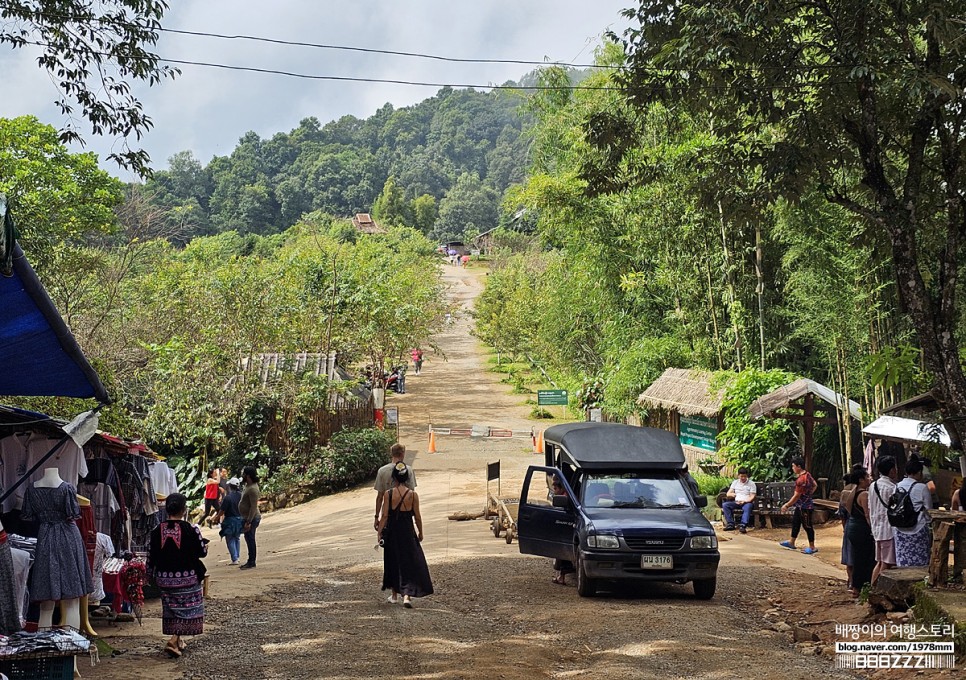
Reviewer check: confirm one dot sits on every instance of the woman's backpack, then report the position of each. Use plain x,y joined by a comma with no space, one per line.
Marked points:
900,510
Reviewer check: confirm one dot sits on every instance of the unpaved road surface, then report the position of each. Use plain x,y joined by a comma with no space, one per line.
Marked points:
313,608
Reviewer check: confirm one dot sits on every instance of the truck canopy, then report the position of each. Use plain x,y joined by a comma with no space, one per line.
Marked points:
603,446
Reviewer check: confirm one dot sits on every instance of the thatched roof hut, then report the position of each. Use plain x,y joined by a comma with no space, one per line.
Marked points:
684,390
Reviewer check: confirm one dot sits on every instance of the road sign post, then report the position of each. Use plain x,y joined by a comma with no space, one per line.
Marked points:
553,398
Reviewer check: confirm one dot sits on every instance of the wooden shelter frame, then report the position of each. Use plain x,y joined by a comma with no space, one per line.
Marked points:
810,404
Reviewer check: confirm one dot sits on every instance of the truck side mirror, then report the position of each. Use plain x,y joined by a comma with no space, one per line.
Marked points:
561,501
701,501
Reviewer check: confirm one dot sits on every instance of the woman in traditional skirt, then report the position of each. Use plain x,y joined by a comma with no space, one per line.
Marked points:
913,544
174,562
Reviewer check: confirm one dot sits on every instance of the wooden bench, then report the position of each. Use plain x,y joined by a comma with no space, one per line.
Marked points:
769,500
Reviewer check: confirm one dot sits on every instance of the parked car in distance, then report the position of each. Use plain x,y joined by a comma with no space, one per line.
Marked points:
630,511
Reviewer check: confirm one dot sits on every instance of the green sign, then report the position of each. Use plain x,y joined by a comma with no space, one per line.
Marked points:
551,397
699,432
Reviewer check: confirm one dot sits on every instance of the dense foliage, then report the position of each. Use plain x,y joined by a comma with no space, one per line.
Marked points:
656,249
440,166
351,457
857,108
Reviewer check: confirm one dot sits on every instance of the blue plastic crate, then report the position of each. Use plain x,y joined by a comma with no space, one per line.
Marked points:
39,668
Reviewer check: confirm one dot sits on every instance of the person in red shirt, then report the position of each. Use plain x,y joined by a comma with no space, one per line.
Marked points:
212,495
801,500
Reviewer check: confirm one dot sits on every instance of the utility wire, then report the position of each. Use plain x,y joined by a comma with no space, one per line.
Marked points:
371,50
355,79
417,83
417,55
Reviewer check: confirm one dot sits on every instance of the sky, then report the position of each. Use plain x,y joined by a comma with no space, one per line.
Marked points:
206,110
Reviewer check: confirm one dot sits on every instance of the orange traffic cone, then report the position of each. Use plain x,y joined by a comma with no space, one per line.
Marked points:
539,442
533,440
432,442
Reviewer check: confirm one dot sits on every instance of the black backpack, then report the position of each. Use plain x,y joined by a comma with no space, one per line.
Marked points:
900,509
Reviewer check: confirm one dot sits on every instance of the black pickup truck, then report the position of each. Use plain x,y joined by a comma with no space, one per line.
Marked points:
630,511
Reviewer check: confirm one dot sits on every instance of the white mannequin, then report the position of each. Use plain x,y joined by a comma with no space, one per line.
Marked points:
70,609
50,480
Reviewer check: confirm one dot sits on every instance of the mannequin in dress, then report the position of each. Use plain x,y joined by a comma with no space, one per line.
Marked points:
70,609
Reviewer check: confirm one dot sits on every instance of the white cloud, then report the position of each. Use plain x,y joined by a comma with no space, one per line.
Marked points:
206,110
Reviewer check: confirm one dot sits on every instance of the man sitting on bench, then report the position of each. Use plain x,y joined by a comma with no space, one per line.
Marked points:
741,496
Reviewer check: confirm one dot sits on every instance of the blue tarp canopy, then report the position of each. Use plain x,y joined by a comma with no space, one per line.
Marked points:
38,355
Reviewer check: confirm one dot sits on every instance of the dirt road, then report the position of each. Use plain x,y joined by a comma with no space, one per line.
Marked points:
313,609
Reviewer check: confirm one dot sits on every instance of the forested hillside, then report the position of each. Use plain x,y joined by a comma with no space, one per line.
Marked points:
440,166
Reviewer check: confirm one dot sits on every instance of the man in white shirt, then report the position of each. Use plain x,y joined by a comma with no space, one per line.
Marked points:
384,478
879,495
741,496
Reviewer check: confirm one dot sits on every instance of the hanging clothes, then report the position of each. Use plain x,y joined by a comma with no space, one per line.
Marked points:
22,450
9,606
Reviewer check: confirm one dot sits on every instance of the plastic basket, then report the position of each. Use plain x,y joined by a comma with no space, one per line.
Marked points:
39,668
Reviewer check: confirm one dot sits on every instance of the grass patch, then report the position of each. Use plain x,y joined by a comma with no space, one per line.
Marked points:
540,413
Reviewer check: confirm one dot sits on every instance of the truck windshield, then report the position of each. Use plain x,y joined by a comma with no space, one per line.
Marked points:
634,490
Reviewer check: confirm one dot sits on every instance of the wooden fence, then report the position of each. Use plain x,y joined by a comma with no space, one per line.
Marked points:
324,423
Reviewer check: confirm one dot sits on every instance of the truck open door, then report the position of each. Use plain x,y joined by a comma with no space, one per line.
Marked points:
545,524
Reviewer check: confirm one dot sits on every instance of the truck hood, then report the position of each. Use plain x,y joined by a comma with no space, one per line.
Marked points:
649,521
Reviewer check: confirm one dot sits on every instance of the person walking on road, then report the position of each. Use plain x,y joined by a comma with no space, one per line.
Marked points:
231,520
397,454
417,357
212,495
248,509
801,500
405,571
174,562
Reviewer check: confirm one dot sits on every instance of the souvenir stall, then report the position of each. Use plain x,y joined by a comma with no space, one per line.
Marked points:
40,469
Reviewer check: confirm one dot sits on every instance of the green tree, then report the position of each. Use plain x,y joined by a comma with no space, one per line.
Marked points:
424,213
95,51
391,206
470,203
55,196
863,100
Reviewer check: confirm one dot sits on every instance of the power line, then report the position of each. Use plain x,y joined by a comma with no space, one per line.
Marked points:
372,50
417,55
417,83
355,79
295,43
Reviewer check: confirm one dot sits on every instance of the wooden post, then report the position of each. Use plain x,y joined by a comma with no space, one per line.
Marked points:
939,558
808,422
959,548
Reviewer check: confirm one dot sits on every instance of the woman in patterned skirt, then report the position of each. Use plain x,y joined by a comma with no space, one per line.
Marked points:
174,562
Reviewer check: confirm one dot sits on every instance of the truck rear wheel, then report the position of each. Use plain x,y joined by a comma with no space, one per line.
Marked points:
704,588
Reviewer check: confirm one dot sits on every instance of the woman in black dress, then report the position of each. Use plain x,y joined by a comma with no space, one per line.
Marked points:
174,562
859,531
400,532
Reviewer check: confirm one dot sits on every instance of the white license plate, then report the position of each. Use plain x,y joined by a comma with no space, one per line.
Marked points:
657,562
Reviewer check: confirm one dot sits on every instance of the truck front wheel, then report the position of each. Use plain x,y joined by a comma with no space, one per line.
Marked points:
586,586
704,588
